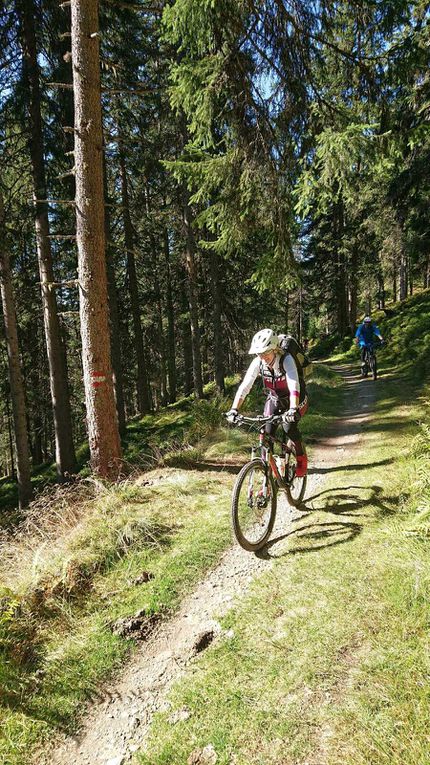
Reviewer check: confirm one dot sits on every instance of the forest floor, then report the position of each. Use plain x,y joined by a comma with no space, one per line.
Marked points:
117,724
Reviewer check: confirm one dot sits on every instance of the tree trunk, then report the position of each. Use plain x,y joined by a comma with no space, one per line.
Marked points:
353,289
160,340
426,272
341,295
10,437
159,305
287,310
64,449
171,361
217,327
394,280
103,434
186,344
115,329
190,261
143,396
403,276
381,290
35,376
15,375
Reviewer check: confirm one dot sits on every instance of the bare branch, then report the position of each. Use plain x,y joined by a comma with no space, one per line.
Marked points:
57,285
61,236
54,201
64,85
66,175
137,7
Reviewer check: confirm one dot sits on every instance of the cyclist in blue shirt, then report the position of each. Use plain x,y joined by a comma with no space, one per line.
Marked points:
366,332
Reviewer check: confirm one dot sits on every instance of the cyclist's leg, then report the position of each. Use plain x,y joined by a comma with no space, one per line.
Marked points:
292,433
271,407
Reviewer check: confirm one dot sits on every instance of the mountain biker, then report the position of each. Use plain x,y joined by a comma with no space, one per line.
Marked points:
285,389
364,336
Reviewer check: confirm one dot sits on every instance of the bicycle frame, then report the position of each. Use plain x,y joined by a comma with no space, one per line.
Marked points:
265,445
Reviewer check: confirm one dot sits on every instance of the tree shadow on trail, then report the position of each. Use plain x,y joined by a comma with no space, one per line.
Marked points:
344,468
313,537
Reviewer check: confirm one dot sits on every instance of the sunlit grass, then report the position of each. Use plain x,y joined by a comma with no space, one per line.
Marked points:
327,660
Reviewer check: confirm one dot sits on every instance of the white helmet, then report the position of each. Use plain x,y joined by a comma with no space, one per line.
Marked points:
367,320
264,340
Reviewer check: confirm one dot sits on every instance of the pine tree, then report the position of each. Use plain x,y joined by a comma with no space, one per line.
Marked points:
105,448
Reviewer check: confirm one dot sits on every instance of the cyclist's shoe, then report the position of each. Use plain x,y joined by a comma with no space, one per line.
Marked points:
302,465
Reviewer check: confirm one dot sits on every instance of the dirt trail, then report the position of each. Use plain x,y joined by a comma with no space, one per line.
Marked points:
117,725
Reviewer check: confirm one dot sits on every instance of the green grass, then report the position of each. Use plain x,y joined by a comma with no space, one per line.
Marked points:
73,647
64,587
327,660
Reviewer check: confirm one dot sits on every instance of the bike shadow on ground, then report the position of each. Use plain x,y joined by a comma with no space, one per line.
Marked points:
338,501
312,537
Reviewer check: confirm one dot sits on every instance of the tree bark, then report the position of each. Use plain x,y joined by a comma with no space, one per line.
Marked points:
403,276
381,289
394,280
171,360
103,434
143,396
341,297
216,320
190,262
114,325
353,289
64,448
186,344
15,375
10,437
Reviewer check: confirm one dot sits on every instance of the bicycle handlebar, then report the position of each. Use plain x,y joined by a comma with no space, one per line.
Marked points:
260,419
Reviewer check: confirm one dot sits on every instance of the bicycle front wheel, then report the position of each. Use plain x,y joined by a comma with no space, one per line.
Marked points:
296,485
374,368
253,505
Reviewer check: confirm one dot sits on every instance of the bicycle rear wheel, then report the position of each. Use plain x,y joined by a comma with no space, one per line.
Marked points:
253,506
296,486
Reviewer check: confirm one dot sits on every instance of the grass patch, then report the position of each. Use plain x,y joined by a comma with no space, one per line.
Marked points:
169,529
74,568
327,660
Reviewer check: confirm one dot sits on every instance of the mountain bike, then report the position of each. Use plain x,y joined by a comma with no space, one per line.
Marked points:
369,363
255,491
